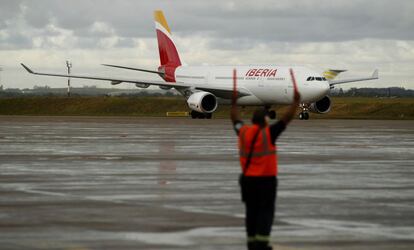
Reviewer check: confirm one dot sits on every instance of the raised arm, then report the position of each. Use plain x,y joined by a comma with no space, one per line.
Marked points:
296,100
234,114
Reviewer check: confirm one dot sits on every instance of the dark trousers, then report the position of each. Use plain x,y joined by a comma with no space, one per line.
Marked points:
259,197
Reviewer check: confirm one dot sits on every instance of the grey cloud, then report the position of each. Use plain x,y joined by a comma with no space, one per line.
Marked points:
8,10
231,44
125,43
306,21
225,22
88,43
16,41
78,16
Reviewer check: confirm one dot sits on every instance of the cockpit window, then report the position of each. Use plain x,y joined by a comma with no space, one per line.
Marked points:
312,78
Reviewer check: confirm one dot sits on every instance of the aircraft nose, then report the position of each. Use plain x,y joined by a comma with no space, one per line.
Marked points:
321,89
325,87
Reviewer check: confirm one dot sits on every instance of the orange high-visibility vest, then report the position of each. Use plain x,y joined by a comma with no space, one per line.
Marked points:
264,159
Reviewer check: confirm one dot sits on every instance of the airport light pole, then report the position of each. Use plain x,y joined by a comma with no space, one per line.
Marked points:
69,66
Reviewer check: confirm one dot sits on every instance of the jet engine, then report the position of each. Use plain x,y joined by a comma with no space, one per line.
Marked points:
322,106
202,102
142,85
115,82
165,87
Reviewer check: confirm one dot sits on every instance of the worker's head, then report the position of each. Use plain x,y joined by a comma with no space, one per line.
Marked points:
260,117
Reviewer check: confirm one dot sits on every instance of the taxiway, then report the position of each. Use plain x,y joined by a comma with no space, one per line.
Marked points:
159,183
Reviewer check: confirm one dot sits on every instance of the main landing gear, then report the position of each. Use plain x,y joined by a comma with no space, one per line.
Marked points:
270,113
304,114
198,115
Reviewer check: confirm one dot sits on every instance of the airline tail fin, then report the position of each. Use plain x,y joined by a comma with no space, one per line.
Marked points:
330,74
169,58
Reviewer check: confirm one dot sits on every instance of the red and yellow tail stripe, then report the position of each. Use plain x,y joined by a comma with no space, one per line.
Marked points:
161,21
169,58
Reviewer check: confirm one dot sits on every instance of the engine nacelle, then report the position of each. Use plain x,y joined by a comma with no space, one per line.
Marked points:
203,102
115,82
322,106
142,85
165,87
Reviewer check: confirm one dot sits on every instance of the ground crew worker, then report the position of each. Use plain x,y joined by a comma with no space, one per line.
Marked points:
258,161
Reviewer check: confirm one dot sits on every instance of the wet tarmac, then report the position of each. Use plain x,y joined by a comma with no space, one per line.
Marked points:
158,183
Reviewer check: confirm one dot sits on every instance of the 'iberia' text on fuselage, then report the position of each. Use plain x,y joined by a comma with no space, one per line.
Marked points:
261,72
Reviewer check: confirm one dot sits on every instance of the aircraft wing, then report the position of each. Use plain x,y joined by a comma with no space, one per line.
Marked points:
114,81
217,91
373,77
137,69
224,93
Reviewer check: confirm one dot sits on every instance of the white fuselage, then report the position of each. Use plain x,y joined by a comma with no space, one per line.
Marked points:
266,84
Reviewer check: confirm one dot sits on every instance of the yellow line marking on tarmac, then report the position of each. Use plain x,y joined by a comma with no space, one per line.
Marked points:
177,114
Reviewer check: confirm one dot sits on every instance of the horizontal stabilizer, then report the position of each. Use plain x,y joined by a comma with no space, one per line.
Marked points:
373,77
330,74
375,74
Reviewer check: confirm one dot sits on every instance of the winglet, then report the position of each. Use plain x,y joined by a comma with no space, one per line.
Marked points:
27,68
375,74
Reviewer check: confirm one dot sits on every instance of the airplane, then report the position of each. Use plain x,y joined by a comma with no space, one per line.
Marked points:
205,87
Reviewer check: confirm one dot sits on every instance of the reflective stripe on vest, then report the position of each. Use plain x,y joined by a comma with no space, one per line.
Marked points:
264,159
266,150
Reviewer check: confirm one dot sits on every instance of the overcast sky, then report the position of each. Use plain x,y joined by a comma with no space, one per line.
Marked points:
356,35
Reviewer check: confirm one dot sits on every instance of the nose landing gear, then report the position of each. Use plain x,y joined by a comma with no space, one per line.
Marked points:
271,113
304,114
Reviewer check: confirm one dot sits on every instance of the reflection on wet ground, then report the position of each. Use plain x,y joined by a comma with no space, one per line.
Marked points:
152,183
